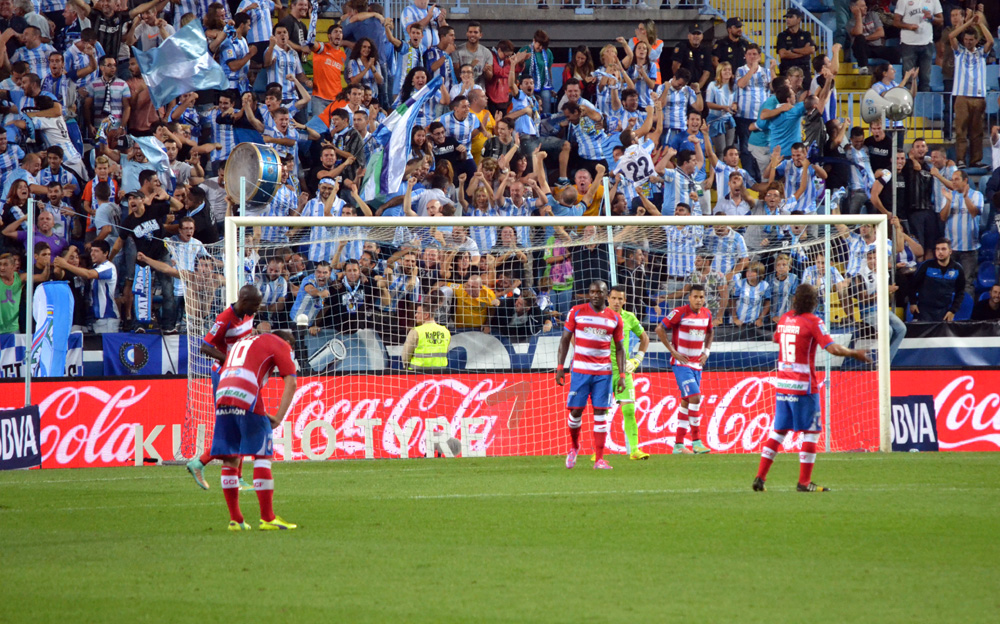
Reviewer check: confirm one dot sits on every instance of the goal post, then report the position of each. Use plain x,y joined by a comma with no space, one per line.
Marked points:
878,396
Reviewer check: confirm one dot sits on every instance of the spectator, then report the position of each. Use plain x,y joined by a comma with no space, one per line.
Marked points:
520,316
236,54
752,87
103,277
682,244
938,286
798,173
346,143
363,67
795,46
759,237
970,88
437,59
867,37
735,201
783,284
44,224
487,124
41,271
721,103
430,20
148,30
273,288
677,96
477,56
945,57
581,69
916,24
11,288
34,52
14,23
260,26
498,85
960,214
473,304
987,309
867,296
694,57
590,263
753,297
283,65
538,59
713,281
329,61
816,274
879,146
645,74
312,292
298,10
107,95
728,249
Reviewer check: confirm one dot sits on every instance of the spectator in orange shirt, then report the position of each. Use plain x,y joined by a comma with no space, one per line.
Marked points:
329,60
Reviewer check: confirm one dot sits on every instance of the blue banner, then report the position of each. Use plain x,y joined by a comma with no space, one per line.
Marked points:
20,432
914,424
53,314
144,354
13,346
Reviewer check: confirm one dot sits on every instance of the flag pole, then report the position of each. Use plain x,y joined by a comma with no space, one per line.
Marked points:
241,258
29,289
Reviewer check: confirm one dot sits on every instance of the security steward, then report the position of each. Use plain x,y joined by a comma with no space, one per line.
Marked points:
693,56
732,48
427,343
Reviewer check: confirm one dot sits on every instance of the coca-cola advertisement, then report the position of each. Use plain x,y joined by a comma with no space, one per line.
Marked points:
93,423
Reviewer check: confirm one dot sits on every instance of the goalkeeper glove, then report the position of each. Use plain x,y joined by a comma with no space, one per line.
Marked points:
632,365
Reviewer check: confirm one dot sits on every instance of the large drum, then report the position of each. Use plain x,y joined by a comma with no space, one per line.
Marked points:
260,165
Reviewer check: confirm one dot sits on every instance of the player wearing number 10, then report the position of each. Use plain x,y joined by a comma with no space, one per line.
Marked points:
242,427
797,408
593,328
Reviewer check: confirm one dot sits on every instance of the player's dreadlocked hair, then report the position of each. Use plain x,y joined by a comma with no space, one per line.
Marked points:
805,299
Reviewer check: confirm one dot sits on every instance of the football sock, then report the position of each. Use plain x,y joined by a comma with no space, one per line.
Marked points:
600,434
807,457
771,446
239,469
206,457
231,490
630,426
694,418
682,425
263,485
574,430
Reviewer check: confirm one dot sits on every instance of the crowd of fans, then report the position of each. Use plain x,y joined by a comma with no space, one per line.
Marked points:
720,130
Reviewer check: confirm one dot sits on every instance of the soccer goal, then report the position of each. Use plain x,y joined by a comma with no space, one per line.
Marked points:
502,286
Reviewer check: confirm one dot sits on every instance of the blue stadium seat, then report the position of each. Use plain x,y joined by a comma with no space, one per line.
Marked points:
986,276
992,107
937,79
984,296
929,105
992,76
988,245
965,310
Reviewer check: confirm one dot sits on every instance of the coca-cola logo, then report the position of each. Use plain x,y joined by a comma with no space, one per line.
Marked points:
107,438
968,418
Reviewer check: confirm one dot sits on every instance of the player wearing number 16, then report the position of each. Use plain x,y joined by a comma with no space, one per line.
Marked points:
242,427
593,328
797,408
689,345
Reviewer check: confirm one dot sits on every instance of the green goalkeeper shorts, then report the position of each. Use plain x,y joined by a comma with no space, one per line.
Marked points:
628,394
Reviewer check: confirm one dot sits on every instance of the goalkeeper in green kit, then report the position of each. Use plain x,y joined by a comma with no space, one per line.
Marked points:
626,398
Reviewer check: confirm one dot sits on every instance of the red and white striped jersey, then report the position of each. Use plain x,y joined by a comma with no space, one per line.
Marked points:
593,332
246,369
228,328
688,331
797,336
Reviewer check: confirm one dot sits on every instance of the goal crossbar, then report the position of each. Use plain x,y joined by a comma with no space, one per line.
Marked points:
232,255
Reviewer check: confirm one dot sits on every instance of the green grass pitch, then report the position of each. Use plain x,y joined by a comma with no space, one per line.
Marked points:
903,538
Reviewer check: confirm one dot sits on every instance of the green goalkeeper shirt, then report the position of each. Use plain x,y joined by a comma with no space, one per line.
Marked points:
632,326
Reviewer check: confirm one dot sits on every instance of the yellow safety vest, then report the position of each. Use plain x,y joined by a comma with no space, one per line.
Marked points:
432,346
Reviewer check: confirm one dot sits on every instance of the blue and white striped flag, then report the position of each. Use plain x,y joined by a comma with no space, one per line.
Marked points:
53,312
384,172
181,64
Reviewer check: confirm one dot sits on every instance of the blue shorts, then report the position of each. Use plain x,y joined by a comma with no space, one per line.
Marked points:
597,387
688,380
239,432
797,412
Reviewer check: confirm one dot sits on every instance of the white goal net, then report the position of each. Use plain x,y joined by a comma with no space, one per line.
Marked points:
351,287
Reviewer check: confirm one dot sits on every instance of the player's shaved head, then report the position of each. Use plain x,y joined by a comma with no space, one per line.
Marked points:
285,335
249,299
805,299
